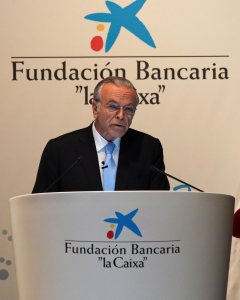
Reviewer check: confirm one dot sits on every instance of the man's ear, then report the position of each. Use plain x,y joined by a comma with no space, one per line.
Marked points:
95,108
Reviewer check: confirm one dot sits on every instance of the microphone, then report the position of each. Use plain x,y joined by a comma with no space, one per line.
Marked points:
63,174
103,165
175,178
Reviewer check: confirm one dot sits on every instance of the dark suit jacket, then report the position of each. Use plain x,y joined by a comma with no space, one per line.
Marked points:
138,152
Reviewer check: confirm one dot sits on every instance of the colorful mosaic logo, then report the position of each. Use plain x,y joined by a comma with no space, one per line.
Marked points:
122,221
118,18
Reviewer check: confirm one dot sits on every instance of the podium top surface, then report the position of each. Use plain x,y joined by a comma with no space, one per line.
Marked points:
144,193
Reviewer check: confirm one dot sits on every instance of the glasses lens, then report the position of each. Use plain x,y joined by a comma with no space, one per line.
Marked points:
113,107
128,109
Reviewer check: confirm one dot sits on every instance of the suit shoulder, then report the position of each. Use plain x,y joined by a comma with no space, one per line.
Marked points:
69,140
73,135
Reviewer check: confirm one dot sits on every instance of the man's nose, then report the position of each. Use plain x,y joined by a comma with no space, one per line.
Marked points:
120,113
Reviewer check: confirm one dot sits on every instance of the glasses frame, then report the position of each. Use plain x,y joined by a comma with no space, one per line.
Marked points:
114,107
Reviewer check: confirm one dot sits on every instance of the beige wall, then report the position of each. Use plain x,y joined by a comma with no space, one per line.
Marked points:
197,119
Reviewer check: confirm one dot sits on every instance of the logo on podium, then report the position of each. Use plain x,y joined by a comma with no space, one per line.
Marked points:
122,221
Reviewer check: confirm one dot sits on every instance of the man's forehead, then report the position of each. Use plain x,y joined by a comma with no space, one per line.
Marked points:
124,94
115,93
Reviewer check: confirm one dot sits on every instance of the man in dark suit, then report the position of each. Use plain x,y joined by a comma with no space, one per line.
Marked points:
76,161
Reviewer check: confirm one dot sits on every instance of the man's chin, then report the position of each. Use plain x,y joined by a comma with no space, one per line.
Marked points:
118,131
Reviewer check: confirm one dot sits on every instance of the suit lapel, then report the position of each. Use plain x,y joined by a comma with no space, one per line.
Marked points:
90,158
124,162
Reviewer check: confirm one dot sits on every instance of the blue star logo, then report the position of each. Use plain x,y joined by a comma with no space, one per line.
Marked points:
123,17
124,221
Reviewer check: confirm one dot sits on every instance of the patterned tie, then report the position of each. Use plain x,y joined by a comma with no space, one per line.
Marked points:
109,172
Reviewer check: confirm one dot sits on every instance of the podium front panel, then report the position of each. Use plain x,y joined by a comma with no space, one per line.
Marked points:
122,245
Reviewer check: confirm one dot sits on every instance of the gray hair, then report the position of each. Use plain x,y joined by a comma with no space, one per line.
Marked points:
118,81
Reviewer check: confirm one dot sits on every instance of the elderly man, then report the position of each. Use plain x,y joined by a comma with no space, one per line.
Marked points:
106,155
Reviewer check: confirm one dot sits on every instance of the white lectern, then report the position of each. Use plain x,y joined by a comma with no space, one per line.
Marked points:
122,245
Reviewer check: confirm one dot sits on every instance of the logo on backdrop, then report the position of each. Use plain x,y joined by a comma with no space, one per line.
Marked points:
118,18
123,221
114,20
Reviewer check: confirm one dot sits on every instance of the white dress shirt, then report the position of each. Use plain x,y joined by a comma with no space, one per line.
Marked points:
100,143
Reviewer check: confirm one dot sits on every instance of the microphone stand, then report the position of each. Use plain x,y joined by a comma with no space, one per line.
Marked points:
168,175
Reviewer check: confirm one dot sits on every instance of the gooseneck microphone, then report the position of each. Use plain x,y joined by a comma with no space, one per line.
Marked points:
173,177
63,174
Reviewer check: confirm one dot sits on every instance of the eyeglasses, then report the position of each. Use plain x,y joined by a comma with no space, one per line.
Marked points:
128,109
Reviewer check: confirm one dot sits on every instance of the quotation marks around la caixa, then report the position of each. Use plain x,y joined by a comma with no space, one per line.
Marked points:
5,263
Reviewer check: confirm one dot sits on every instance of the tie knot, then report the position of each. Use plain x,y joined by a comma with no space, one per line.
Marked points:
110,147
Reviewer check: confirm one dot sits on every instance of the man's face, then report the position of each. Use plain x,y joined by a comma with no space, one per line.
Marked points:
113,124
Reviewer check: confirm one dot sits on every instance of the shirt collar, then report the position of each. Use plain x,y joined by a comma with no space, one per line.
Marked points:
101,142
